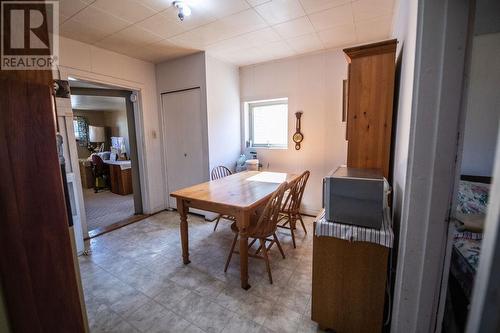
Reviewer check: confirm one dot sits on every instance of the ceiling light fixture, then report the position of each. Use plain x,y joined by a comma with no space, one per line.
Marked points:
183,9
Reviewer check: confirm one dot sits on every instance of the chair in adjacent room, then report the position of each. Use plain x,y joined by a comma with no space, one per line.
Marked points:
217,173
100,171
262,228
290,209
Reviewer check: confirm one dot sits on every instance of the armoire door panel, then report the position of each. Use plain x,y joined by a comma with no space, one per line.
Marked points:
370,97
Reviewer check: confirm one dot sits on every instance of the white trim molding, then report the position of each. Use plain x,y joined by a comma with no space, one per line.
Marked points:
435,119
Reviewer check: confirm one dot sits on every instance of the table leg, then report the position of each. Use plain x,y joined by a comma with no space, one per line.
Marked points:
182,208
243,222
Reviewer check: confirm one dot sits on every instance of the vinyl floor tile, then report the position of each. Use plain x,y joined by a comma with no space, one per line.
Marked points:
134,281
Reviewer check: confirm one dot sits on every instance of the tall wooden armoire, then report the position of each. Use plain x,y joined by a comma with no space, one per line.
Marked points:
369,106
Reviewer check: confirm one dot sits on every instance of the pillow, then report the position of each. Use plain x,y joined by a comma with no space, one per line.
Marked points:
472,222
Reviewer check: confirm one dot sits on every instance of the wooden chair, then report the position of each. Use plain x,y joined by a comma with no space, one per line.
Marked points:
263,228
289,213
217,173
100,171
220,172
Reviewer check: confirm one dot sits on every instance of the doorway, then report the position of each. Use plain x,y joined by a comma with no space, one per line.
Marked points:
185,161
106,145
476,160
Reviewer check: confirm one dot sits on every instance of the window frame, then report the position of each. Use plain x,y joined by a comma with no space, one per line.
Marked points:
268,102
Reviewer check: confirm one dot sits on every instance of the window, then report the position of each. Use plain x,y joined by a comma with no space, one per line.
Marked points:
81,130
268,123
76,129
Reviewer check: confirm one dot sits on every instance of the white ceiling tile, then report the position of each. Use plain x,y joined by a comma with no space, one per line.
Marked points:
245,56
338,36
129,10
161,51
294,28
333,17
248,40
198,38
254,3
219,8
374,30
305,43
81,32
312,6
278,11
370,9
231,44
68,8
258,37
243,22
162,25
99,20
227,29
157,5
198,18
275,50
135,35
219,30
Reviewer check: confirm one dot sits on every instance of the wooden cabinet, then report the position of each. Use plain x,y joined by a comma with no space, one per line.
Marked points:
88,180
121,180
370,104
348,289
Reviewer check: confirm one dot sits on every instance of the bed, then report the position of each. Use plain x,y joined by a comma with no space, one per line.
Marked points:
472,198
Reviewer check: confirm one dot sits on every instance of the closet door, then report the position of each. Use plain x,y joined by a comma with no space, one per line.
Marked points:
184,136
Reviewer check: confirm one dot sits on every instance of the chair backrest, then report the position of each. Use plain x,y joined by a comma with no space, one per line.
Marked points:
220,172
98,165
268,220
295,194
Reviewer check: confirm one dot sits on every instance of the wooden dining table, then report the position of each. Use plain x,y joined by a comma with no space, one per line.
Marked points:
236,195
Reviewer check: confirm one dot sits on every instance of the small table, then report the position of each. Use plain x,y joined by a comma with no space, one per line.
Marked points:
120,173
237,195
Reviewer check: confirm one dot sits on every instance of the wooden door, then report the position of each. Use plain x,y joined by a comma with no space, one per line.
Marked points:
37,267
184,138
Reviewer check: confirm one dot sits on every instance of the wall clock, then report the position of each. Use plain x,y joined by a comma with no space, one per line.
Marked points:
298,136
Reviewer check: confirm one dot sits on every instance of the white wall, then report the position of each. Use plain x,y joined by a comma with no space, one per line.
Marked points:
405,30
118,124
223,106
91,63
483,106
313,84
